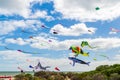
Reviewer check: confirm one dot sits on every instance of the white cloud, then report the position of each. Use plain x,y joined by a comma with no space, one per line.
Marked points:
84,10
10,7
19,41
112,32
41,14
42,39
18,57
9,26
41,1
100,43
117,57
41,42
11,55
62,63
74,30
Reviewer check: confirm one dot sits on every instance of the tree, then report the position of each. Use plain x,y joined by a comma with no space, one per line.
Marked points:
99,76
114,76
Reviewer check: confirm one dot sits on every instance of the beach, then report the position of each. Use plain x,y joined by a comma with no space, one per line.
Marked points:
11,74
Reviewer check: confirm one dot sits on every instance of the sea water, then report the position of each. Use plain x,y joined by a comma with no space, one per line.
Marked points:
13,73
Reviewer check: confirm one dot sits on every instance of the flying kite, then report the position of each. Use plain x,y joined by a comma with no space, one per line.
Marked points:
22,51
29,60
114,30
97,8
75,60
21,70
41,67
56,68
94,59
50,40
55,31
44,26
85,43
31,66
89,31
77,50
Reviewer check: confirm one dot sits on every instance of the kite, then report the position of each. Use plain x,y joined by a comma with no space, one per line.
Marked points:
77,50
31,66
56,68
31,37
41,67
21,70
22,51
55,32
89,31
75,60
8,48
94,59
114,30
44,26
28,60
85,43
50,40
97,8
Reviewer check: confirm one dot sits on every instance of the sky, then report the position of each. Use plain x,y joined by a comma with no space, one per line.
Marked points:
74,21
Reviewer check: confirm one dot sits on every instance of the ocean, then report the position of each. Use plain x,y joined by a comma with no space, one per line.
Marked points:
13,73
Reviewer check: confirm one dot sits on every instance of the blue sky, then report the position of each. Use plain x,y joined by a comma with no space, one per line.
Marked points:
71,19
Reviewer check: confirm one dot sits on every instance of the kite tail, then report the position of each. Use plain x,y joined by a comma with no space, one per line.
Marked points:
47,67
88,63
118,30
90,47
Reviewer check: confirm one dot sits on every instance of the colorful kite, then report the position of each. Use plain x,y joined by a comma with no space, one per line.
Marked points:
41,67
85,43
97,8
21,70
75,60
23,51
44,26
94,59
31,66
77,50
114,30
56,68
55,31
50,40
89,31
